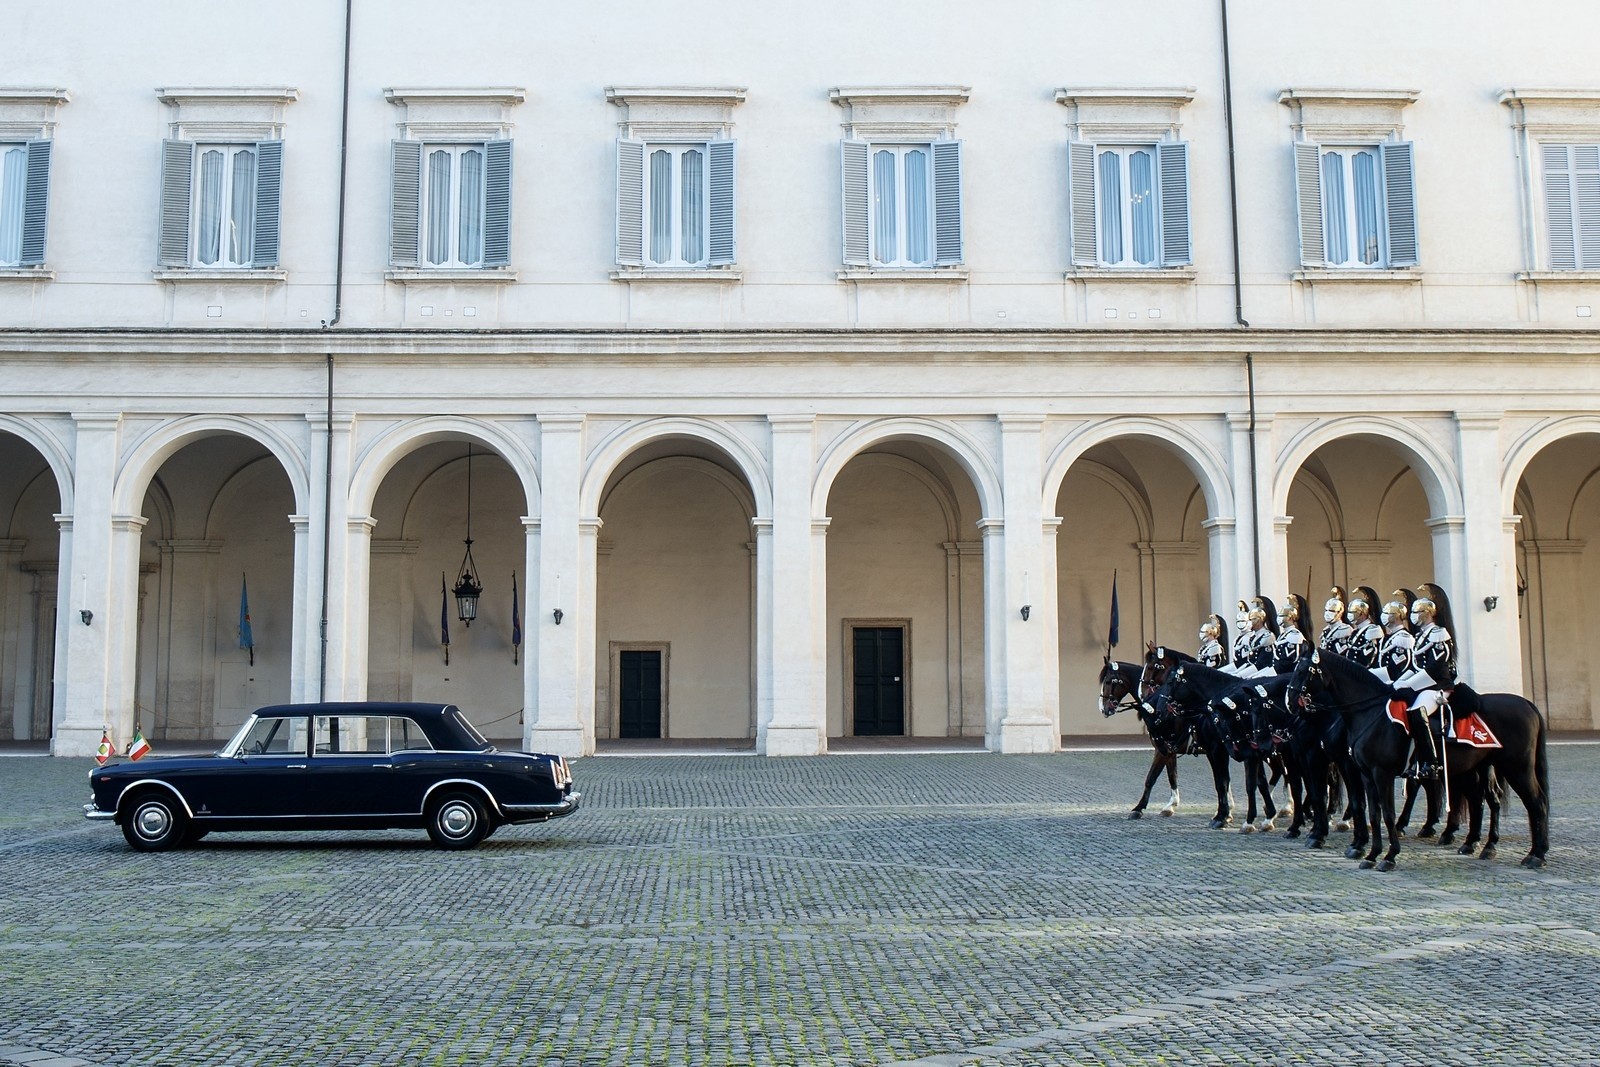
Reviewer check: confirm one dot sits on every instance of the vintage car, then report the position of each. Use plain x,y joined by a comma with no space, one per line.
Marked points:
336,766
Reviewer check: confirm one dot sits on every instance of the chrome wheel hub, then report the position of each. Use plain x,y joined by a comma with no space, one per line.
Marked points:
152,821
456,819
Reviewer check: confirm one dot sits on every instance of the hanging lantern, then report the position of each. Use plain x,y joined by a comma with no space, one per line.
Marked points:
468,588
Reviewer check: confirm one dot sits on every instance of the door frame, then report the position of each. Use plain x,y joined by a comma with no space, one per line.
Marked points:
616,650
848,675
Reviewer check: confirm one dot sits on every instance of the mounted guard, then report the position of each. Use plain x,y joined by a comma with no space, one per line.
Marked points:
1263,620
1366,636
1291,640
1213,643
1432,675
1240,662
1336,634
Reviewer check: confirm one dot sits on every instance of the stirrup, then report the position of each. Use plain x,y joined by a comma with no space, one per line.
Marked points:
1427,772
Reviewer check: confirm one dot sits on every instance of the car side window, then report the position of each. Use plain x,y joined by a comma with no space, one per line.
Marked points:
352,734
406,736
276,736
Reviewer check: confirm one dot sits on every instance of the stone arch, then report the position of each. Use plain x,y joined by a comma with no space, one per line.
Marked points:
959,445
45,443
736,488
227,493
1203,460
160,443
1138,506
1327,500
380,455
1523,451
1434,469
624,442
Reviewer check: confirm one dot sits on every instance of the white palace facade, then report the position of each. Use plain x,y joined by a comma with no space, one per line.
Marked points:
812,371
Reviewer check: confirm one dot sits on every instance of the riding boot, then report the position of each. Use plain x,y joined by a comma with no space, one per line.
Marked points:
1425,754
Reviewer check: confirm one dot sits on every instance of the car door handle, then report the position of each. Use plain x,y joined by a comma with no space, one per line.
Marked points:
297,766
388,765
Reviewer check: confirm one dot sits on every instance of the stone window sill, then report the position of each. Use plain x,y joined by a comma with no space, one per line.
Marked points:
206,274
469,276
704,274
27,274
926,274
1339,274
1589,276
1118,274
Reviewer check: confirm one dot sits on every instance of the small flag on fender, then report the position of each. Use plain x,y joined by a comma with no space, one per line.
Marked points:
107,748
138,746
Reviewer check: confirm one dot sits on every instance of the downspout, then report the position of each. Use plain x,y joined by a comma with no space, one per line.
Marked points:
328,324
1238,291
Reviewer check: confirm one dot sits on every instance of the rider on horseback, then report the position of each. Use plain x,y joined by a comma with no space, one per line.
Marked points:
1366,636
1433,673
1336,635
1240,662
1213,636
1291,640
1263,620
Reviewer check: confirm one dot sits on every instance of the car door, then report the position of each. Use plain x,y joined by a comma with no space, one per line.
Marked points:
266,778
352,773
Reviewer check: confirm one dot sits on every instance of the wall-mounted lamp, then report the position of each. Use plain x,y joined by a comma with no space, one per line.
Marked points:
558,615
1026,610
1490,603
86,615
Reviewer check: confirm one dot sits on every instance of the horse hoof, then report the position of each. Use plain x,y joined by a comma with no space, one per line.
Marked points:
1487,853
1342,826
1532,862
1352,852
1366,865
1314,842
1218,823
1426,832
1247,828
1136,814
1291,833
1167,813
1386,865
1447,838
1268,826
1467,849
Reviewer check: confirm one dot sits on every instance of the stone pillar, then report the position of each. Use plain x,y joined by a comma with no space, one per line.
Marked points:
328,662
1280,581
563,713
1224,554
1047,609
84,698
792,712
15,649
1027,725
1246,510
302,642
355,612
994,604
1556,567
1489,642
969,558
532,621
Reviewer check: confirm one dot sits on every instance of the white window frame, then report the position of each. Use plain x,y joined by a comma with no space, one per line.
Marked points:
229,150
1586,243
457,152
1541,118
898,153
676,151
1347,190
17,195
1124,154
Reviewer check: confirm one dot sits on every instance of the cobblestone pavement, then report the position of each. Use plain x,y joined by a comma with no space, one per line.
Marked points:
947,909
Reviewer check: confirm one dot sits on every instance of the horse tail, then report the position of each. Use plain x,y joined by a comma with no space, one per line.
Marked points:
1541,759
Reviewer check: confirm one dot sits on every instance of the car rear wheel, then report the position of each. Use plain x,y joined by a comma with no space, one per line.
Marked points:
155,823
458,821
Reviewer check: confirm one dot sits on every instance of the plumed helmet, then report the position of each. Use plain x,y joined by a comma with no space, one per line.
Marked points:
1441,604
1243,613
1296,608
1335,602
1268,609
1398,608
1368,597
1217,627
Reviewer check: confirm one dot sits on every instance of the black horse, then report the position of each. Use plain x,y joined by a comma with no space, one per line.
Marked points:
1119,691
1188,704
1314,750
1380,747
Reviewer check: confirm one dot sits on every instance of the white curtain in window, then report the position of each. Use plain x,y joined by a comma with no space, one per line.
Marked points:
660,206
470,239
1335,222
438,208
1110,208
13,184
208,243
1142,206
884,207
242,209
1364,171
693,215
917,237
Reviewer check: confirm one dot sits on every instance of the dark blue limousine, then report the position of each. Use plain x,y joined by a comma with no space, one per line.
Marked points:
336,766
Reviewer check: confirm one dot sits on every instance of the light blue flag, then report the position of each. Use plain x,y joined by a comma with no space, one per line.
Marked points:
247,638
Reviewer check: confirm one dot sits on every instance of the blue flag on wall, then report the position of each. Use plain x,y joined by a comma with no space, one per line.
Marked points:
516,620
247,638
444,619
1111,638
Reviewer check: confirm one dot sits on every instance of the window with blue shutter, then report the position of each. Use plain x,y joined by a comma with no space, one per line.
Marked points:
721,188
1571,181
856,200
24,202
450,205
220,204
676,204
497,203
630,202
1128,205
177,202
1357,204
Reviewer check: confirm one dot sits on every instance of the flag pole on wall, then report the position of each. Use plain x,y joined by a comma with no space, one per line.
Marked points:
1111,635
516,620
444,618
247,637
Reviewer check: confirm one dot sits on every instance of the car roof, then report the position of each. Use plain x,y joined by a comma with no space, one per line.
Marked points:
358,707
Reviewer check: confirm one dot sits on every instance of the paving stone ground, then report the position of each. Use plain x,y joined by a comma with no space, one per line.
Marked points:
946,909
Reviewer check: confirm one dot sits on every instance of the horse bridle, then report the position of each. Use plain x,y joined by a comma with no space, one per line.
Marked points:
1129,698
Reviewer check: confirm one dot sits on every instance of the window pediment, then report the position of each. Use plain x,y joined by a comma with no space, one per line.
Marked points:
29,114
676,113
456,114
1572,114
1328,115
904,112
1122,114
228,113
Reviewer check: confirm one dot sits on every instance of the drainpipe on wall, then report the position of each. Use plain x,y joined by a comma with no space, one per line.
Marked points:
328,324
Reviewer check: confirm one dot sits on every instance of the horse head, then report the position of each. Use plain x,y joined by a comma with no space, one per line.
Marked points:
1307,673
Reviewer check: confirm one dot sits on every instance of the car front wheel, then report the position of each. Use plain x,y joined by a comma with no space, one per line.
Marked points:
458,821
155,823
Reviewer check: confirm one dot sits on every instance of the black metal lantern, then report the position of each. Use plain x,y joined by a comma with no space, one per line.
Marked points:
468,588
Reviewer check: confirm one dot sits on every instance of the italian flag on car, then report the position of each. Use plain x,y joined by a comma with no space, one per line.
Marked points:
106,750
138,746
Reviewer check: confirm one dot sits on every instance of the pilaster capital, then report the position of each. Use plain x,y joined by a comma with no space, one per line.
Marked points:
991,526
63,522
361,524
530,523
1051,524
1239,421
342,421
792,423
1510,523
1219,523
300,523
1013,422
1445,522
762,526
1281,523
1479,420
563,422
820,526
590,527
130,524
97,420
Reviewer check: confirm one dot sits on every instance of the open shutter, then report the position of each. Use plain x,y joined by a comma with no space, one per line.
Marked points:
1400,202
1558,206
630,202
35,203
269,199
1308,201
721,246
497,203
1080,203
405,204
853,175
1586,179
1172,162
946,203
177,191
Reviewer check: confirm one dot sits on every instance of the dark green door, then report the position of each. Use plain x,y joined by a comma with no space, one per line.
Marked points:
880,686
641,693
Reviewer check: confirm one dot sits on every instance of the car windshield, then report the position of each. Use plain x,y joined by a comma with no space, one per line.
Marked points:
269,735
471,730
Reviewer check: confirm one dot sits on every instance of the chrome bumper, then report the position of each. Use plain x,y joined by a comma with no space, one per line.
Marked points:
92,812
539,812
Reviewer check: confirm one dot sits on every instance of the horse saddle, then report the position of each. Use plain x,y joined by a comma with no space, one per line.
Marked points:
1470,729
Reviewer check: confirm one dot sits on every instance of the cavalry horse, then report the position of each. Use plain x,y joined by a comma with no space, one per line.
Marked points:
1190,702
1119,691
1381,748
1314,748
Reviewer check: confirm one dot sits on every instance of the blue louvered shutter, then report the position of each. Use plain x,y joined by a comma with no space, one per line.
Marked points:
1172,163
35,203
269,201
1400,202
630,202
497,203
1080,203
405,204
947,243
856,201
721,243
177,191
1558,206
1586,181
1308,203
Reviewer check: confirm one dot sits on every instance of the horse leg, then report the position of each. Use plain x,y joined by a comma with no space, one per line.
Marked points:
1376,820
1470,789
1297,797
1359,819
1432,790
1219,775
1269,811
1172,780
1156,760
1252,784
1386,799
1491,796
1314,793
1538,808
1404,818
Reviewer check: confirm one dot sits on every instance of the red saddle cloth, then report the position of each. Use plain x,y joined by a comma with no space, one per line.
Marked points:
1472,730
1397,715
